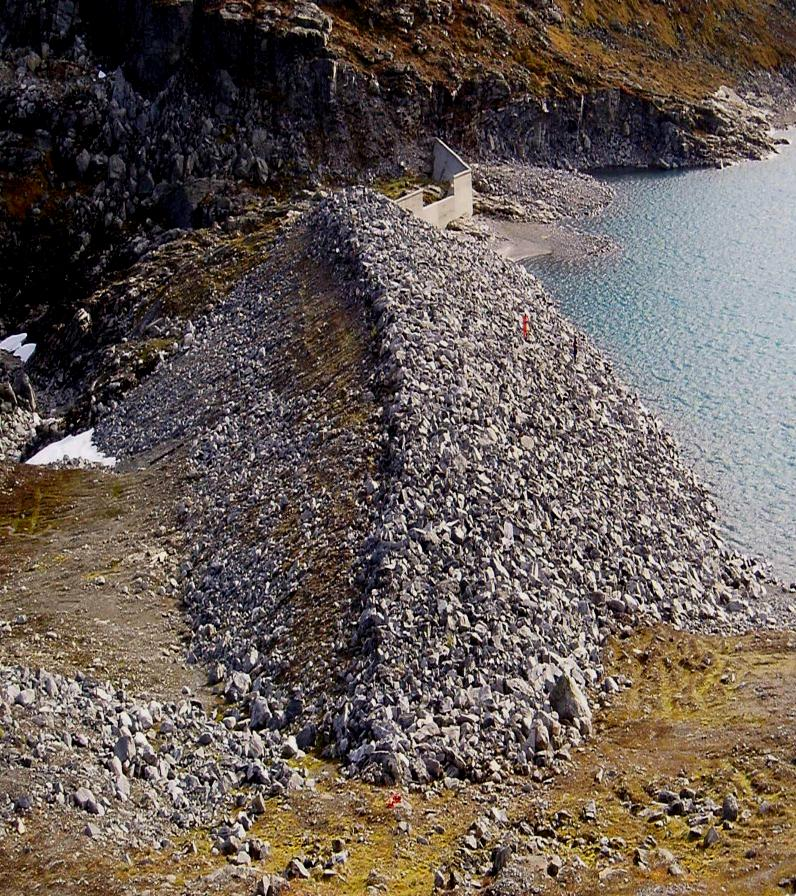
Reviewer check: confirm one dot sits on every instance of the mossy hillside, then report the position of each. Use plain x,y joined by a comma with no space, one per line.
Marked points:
34,500
701,708
674,49
189,275
81,561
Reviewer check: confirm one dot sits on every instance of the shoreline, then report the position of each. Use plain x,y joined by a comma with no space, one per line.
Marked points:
562,241
528,212
522,241
520,233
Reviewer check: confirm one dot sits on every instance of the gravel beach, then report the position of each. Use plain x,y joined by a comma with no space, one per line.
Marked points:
528,212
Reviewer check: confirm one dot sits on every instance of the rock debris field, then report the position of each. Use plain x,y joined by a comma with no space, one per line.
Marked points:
529,193
411,528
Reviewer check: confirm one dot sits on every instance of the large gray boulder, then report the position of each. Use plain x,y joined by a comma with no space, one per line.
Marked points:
15,387
570,702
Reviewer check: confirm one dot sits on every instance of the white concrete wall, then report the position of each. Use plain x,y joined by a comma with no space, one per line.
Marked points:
459,201
412,202
446,163
463,191
439,213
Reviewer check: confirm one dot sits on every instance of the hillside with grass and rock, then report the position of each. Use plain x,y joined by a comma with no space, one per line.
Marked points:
333,557
406,539
123,121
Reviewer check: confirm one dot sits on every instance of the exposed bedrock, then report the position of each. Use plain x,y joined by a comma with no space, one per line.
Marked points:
18,417
618,128
122,120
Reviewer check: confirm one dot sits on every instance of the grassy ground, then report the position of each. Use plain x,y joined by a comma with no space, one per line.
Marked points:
718,712
84,558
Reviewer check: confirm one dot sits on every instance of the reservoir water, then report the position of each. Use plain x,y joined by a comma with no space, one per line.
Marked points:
698,311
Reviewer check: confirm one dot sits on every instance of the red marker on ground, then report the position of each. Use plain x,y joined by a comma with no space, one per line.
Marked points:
525,326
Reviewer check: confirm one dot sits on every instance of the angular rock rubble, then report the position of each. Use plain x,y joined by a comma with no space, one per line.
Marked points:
131,766
524,507
18,417
530,193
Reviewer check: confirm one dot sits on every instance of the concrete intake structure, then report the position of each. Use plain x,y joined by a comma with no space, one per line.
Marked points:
448,167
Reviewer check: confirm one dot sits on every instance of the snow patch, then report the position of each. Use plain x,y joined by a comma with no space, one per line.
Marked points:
12,343
79,447
24,352
16,346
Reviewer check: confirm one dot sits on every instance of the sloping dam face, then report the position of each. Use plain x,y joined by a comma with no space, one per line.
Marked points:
413,525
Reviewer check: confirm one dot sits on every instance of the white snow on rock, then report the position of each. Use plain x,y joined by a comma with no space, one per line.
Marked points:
17,346
25,351
73,448
12,343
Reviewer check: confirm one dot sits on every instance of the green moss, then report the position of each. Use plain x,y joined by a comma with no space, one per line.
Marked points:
680,719
359,814
400,186
196,278
34,499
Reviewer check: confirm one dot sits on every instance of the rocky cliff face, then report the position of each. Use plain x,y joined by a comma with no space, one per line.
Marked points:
124,119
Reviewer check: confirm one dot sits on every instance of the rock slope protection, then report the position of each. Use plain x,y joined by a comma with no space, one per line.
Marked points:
413,526
272,399
529,507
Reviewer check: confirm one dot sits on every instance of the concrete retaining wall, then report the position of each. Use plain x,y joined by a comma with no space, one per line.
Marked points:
448,167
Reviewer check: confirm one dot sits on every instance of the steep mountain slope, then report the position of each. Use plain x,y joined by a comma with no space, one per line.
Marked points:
671,48
123,119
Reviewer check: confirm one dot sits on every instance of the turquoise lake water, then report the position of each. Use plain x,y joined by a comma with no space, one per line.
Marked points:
698,312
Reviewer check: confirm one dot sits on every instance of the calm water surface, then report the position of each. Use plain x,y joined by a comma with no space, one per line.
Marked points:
699,313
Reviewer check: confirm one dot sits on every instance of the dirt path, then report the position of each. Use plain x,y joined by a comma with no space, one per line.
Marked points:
87,564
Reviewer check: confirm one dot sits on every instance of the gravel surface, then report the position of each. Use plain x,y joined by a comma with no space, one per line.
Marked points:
136,768
542,195
411,529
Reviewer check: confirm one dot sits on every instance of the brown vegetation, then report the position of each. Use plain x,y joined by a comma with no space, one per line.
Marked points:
656,48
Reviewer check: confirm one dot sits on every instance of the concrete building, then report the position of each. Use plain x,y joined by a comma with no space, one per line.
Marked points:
450,169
